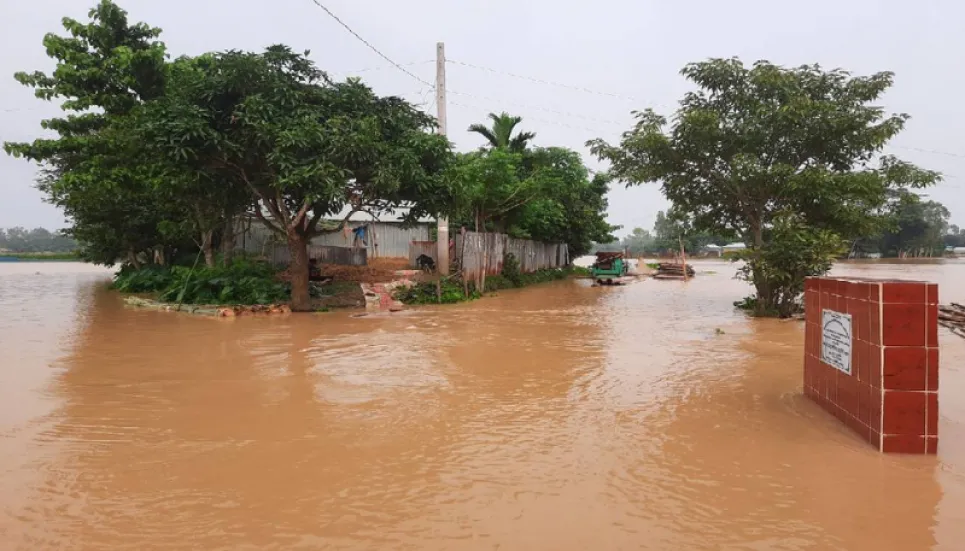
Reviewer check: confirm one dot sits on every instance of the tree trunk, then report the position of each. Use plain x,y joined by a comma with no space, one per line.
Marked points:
159,257
764,298
298,248
228,240
133,260
208,247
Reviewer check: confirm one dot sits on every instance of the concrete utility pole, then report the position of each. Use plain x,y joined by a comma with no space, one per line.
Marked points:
442,224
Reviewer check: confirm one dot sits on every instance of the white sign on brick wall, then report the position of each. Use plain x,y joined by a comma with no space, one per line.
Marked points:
836,340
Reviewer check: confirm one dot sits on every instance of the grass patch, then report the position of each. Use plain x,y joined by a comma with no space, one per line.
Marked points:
42,257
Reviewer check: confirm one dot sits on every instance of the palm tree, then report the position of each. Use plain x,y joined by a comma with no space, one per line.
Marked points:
501,133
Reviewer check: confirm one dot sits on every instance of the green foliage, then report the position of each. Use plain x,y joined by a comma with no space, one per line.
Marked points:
543,194
37,240
43,257
511,270
259,120
238,283
93,169
242,282
149,279
570,206
452,291
579,271
752,144
492,188
913,227
155,157
500,135
426,293
792,252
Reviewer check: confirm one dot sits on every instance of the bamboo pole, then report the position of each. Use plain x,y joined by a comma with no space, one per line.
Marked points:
683,256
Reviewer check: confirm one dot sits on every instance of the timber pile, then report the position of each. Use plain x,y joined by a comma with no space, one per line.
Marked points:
953,317
668,270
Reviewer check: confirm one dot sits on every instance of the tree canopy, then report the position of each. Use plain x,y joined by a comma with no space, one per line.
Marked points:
755,148
104,70
500,134
540,193
157,158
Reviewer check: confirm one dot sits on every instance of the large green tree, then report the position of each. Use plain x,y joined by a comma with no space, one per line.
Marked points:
570,205
761,147
493,188
303,146
105,69
544,194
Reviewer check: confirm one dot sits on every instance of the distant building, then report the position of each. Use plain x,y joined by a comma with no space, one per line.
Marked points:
733,248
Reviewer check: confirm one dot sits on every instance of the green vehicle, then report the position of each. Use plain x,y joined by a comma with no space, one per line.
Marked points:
609,268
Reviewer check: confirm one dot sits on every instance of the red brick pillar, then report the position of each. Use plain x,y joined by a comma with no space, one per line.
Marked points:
871,359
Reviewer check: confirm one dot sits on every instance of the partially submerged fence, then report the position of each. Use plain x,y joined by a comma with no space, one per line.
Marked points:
479,253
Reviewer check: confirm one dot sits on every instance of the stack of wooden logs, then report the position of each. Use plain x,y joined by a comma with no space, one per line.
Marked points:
667,270
953,317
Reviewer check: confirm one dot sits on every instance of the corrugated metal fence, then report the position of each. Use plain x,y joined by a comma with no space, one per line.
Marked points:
485,251
382,239
343,256
419,248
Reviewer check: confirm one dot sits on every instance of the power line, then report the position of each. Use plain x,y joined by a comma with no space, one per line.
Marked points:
933,151
548,82
613,95
383,67
369,44
546,121
527,106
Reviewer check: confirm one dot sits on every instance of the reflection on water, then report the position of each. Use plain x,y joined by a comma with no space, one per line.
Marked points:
558,417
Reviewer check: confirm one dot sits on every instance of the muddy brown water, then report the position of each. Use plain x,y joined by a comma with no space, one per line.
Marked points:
560,417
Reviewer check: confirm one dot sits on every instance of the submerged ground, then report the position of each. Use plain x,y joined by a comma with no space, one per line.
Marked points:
558,417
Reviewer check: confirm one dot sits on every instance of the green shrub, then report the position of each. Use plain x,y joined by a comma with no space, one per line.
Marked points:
580,271
452,291
511,270
425,293
243,282
149,279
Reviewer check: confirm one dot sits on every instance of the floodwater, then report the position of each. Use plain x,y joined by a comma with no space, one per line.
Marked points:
561,417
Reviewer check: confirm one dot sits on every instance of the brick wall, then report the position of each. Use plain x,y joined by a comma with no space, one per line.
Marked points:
886,389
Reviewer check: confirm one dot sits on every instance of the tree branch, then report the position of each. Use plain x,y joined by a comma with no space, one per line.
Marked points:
300,217
264,220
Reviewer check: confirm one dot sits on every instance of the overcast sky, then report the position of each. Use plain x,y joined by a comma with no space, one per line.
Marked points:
631,50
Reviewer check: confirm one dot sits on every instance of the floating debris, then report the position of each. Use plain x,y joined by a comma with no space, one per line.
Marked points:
209,309
669,270
953,317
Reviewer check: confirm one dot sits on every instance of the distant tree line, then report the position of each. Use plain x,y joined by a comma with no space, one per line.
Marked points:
670,231
37,240
913,227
